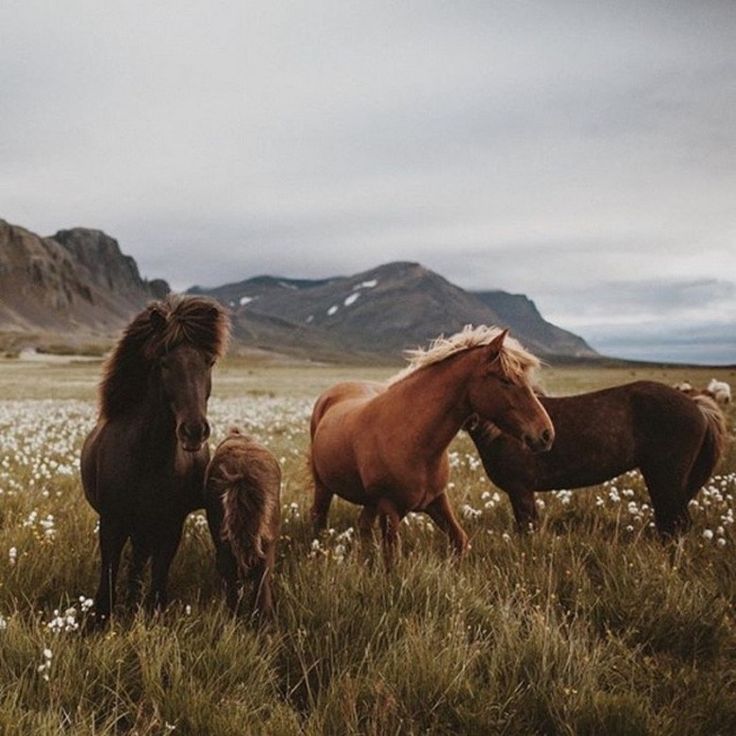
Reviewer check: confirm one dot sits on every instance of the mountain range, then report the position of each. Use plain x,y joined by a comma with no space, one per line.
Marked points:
76,280
384,310
78,283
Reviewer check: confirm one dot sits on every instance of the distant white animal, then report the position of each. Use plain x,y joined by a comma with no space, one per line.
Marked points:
721,391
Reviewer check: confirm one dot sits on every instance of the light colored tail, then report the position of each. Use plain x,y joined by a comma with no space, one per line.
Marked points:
716,423
713,444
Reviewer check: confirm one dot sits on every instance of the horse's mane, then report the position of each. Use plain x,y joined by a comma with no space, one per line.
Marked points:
160,327
516,361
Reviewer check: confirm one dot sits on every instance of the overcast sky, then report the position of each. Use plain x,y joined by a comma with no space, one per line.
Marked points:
583,153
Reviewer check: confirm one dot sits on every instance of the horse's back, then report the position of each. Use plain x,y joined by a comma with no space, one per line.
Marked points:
346,395
627,421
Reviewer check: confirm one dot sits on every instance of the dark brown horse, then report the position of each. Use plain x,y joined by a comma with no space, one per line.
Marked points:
384,446
242,498
676,442
143,464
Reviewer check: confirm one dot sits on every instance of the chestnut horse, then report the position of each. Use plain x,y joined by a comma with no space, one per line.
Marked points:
242,498
384,446
676,442
143,464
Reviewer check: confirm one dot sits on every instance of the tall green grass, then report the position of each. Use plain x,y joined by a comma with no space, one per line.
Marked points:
588,626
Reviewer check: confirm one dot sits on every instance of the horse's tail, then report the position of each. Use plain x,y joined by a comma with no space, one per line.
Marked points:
318,411
713,445
309,466
248,507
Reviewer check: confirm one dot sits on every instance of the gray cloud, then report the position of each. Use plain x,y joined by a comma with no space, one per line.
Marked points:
691,342
561,149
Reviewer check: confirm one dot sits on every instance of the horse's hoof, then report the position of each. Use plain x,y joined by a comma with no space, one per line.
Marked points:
94,623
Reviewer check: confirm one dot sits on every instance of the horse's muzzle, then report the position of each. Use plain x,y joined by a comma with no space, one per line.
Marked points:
192,435
540,443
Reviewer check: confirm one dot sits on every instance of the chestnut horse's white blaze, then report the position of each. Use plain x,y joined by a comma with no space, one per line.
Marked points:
384,446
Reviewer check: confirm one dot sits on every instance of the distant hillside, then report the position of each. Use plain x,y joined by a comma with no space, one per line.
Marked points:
384,311
521,312
79,283
75,280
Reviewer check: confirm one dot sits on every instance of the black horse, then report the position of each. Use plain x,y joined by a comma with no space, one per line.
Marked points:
143,464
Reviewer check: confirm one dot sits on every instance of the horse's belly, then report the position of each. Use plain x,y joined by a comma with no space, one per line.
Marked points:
582,479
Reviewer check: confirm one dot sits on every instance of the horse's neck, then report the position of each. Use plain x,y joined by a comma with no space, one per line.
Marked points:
159,425
434,402
487,434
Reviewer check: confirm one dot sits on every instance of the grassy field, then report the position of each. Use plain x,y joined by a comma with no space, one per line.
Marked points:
589,626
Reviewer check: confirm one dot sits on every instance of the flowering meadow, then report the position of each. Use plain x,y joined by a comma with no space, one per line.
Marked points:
587,626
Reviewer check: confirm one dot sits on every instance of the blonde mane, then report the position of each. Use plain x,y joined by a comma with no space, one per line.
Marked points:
516,362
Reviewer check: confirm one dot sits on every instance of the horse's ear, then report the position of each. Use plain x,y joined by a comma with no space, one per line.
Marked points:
496,345
157,318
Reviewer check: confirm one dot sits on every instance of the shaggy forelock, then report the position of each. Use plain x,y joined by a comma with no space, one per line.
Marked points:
178,319
196,321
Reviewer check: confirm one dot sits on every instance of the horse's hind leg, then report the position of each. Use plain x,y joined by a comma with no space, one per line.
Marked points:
366,520
390,520
261,579
524,508
321,506
441,513
113,535
669,498
227,567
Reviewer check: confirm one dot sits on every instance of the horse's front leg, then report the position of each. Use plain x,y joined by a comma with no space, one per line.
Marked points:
141,554
441,513
163,554
524,508
113,535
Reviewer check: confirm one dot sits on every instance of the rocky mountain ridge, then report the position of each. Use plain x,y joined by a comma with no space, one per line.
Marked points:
79,283
389,308
75,280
